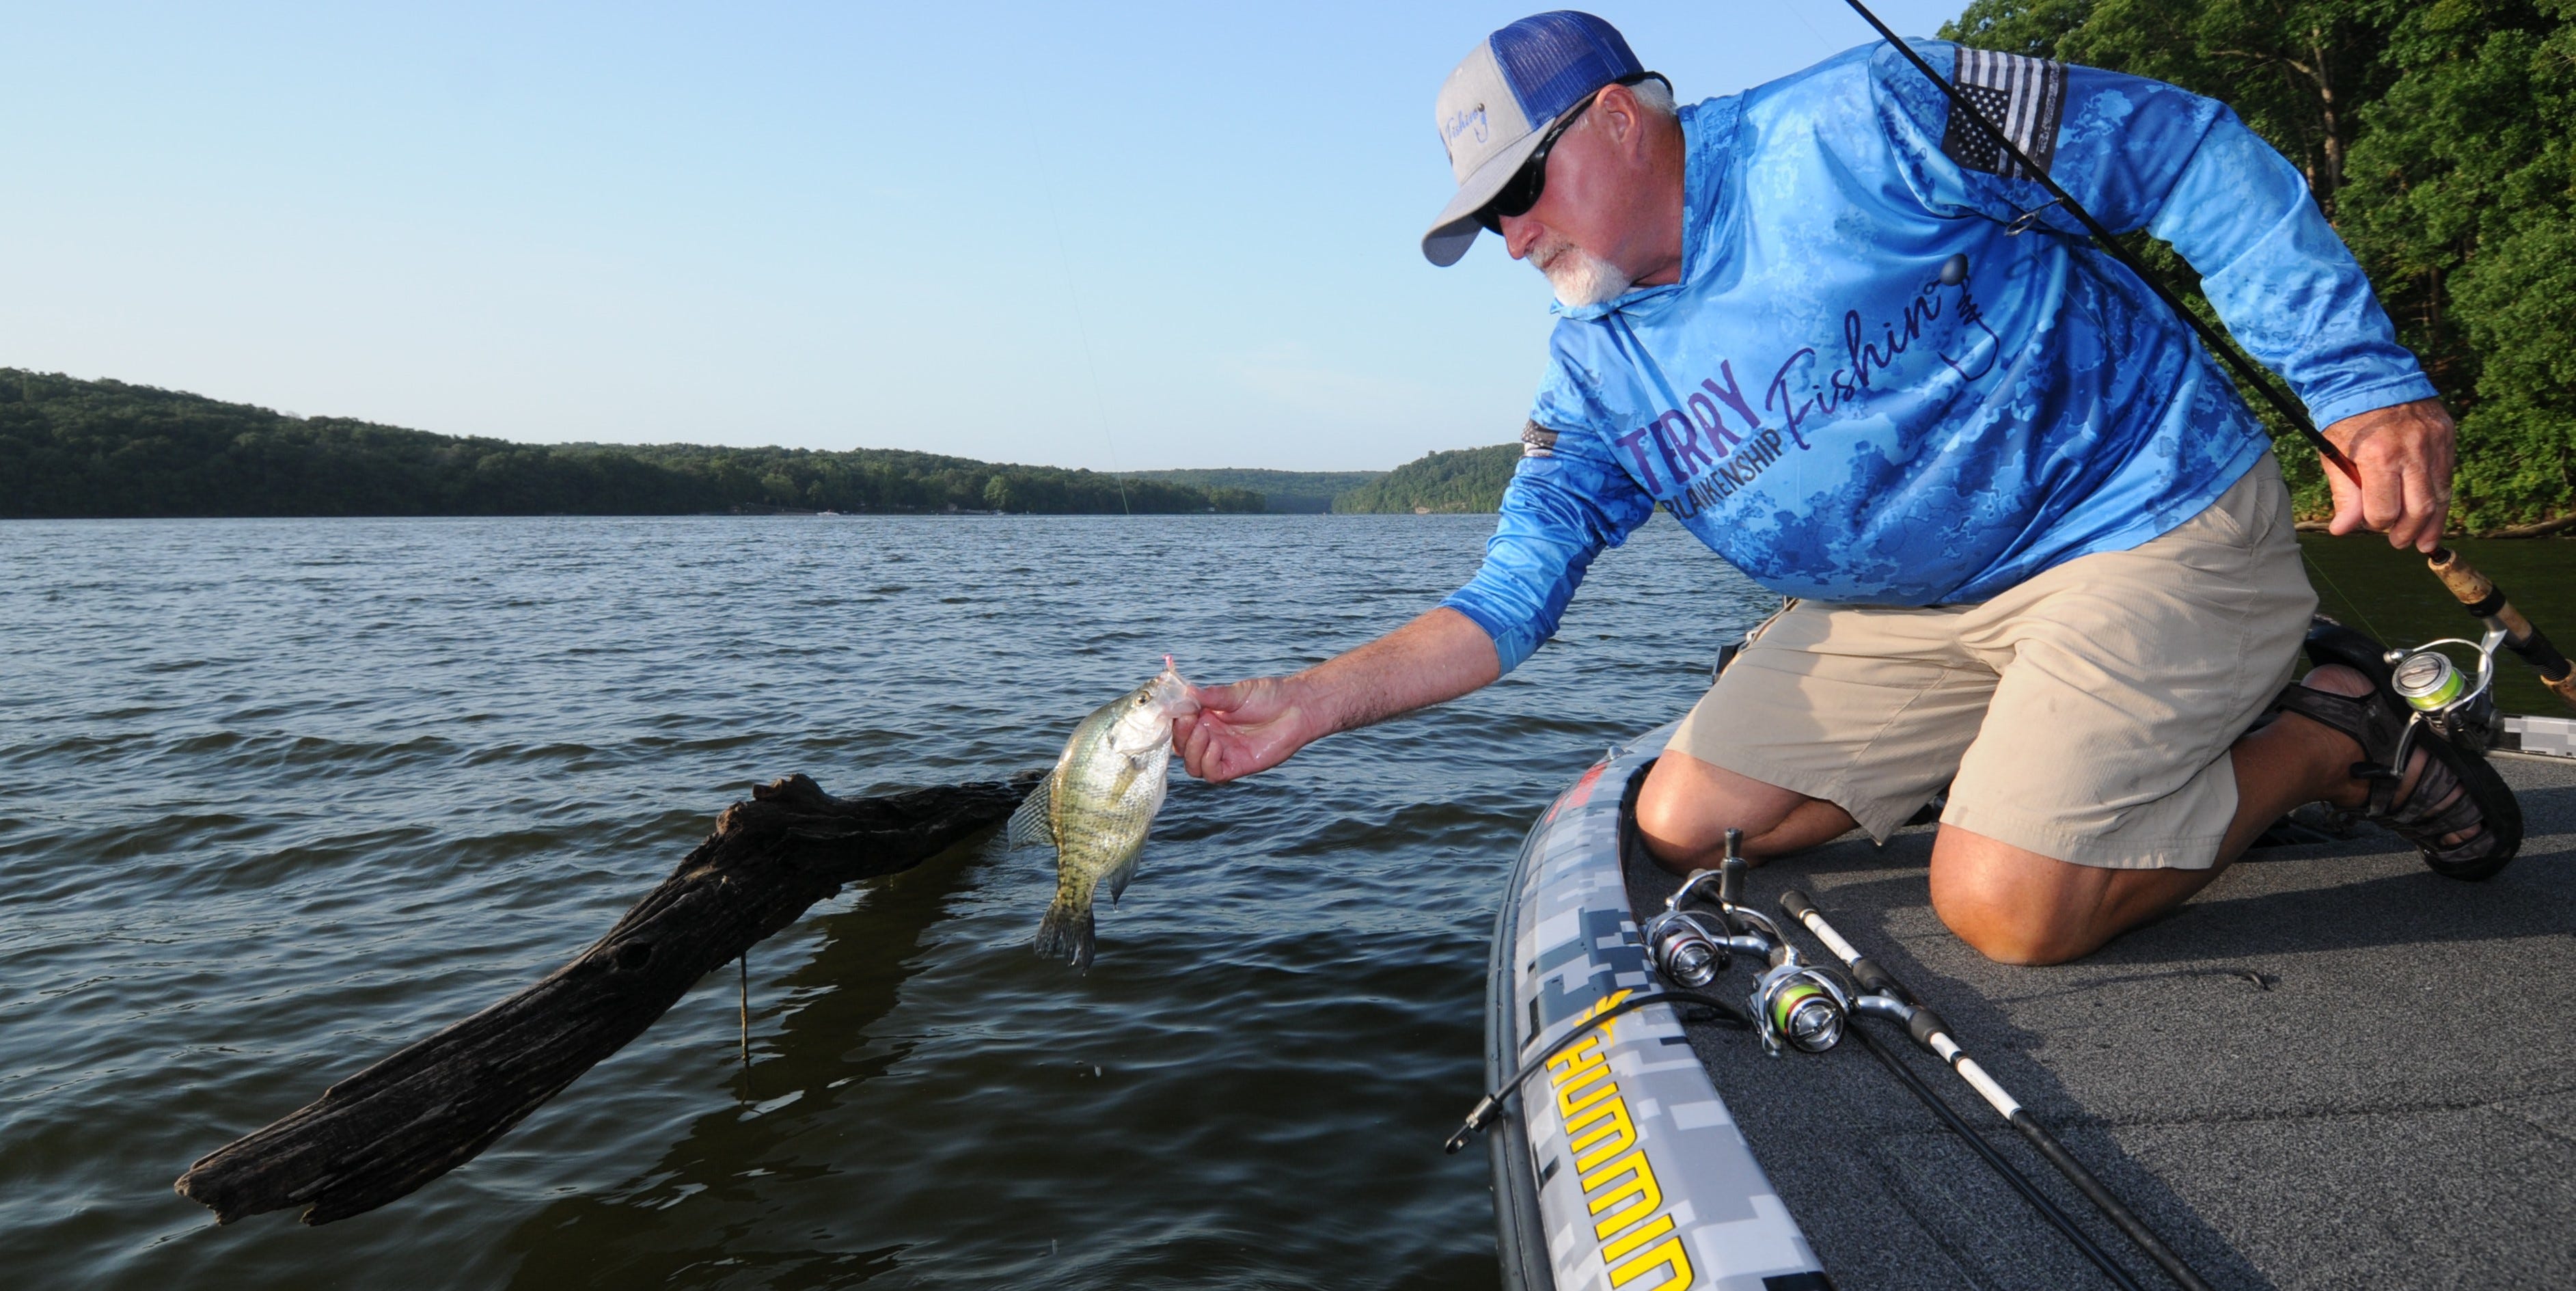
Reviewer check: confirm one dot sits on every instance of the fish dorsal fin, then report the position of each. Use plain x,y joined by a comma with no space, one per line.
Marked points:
1034,822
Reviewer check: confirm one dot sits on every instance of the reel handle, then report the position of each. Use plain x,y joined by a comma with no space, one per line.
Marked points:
1730,871
2484,599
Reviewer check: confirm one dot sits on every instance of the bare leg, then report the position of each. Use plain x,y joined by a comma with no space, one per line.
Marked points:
1688,805
2019,907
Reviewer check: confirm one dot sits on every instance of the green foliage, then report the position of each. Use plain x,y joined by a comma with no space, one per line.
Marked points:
105,448
1466,479
2437,136
1284,492
2295,70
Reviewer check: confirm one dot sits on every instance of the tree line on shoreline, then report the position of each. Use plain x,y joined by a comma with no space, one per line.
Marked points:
73,448
2440,139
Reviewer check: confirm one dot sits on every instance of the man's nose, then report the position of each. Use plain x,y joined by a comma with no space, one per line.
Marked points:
1520,233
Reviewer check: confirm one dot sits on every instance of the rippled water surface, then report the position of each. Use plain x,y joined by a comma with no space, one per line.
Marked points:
277,797
281,796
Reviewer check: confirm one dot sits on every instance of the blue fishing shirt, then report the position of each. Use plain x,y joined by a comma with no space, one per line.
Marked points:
1892,373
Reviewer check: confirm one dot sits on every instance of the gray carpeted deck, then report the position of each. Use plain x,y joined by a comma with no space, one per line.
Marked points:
2331,1069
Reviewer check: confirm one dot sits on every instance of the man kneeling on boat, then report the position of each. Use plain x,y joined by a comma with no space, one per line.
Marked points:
2040,550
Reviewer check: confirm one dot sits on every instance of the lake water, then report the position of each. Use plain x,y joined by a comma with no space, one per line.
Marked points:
282,796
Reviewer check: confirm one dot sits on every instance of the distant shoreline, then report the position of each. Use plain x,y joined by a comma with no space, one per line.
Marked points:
76,449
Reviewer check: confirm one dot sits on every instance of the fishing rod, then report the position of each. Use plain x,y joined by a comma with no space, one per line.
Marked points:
2472,588
1807,1007
2505,625
1889,999
2247,371
2043,1203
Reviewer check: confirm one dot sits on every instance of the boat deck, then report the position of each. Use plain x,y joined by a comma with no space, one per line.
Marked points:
2333,1068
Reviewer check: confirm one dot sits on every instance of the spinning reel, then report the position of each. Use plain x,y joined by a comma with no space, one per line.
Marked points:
2458,706
1795,1005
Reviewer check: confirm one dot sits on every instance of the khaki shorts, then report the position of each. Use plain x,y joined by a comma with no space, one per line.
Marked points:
2085,714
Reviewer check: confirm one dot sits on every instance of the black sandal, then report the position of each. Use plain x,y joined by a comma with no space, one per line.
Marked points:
2473,796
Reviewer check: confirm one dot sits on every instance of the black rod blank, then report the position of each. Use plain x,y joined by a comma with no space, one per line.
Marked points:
2246,370
2046,1206
1934,1036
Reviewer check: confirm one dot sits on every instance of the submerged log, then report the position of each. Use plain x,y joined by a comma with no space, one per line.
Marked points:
433,1105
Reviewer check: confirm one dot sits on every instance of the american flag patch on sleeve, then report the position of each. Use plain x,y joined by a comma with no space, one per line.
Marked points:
1537,441
2021,96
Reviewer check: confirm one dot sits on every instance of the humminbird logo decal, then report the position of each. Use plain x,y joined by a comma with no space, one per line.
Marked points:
2023,96
1634,1231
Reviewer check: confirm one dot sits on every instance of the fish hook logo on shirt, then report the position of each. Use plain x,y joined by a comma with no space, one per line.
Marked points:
1705,461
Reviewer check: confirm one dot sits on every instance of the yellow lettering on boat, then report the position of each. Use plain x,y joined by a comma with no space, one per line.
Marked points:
1565,1089
1610,1167
1667,1254
1640,1184
1613,1126
1582,1057
1567,1102
1638,1236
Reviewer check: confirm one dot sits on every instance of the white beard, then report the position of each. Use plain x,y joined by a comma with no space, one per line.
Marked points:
1579,277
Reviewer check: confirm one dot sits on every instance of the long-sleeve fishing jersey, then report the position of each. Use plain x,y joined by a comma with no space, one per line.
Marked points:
1893,373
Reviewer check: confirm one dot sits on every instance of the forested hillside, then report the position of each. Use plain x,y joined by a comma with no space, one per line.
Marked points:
105,448
1297,492
2440,137
1466,479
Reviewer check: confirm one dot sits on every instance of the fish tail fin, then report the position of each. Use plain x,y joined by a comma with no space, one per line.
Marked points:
1034,822
1066,931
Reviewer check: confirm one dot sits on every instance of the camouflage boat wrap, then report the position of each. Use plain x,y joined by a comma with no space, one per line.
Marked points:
1618,1167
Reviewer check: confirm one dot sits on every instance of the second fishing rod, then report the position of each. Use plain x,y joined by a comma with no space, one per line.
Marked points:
1800,1007
2474,590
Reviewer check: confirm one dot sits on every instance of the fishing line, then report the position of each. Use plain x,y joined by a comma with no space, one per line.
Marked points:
2217,343
1082,328
2342,595
1801,16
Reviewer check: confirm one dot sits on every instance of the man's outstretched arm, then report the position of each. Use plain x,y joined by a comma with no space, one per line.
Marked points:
1255,725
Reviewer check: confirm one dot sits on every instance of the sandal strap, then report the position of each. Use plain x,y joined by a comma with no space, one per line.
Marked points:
2362,717
2418,816
2479,805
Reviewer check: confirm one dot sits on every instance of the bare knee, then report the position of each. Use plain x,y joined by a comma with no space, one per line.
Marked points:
1686,806
2006,934
2010,905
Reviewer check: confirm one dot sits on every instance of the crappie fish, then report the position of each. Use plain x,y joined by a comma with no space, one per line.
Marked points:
1096,805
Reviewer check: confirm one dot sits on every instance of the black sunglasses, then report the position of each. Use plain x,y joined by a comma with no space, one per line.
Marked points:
1529,183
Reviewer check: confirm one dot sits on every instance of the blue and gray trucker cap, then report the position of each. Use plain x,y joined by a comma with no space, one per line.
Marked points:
1500,101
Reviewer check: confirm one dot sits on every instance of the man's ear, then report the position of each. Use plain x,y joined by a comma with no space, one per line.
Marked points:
1622,117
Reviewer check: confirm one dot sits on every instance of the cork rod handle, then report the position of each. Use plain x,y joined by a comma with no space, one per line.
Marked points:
2485,600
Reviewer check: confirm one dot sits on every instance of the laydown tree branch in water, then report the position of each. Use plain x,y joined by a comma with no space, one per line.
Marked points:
438,1103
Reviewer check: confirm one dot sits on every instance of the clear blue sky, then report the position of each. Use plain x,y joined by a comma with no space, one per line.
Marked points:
829,226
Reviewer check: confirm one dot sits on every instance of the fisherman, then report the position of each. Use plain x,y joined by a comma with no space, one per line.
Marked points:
2039,550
